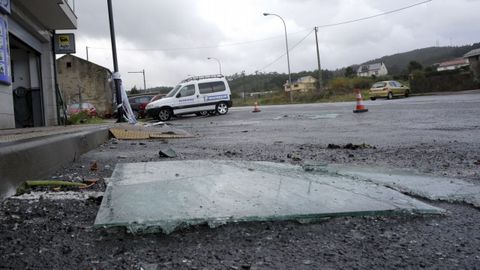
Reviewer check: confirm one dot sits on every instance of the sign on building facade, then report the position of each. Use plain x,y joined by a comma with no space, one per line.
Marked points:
4,53
64,43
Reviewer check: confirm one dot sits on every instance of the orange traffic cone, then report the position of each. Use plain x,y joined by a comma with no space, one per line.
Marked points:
255,107
359,108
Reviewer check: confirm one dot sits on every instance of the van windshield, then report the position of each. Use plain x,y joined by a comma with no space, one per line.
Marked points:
173,91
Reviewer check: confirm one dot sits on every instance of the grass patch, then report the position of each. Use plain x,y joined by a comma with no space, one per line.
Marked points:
280,98
84,118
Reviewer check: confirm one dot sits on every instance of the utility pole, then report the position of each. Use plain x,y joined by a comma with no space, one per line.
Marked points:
144,81
318,61
116,78
87,52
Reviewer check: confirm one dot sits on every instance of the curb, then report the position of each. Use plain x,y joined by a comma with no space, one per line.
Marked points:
41,157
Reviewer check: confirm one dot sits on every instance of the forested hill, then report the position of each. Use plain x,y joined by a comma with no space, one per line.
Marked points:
427,56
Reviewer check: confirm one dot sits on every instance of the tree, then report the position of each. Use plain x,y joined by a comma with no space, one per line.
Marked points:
349,72
414,65
134,90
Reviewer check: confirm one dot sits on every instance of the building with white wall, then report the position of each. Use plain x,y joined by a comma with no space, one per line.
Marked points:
376,69
27,79
453,64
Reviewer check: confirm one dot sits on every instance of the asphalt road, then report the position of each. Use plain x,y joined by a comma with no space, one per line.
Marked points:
404,121
437,135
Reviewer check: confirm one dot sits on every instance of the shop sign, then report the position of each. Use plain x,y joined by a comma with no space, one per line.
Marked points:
4,53
64,43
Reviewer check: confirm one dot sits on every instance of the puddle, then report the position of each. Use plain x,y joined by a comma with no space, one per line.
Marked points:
165,196
323,116
308,116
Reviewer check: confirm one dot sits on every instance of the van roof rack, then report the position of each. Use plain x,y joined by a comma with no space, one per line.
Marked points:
196,78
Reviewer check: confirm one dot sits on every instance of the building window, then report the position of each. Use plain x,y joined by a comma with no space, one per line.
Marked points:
69,64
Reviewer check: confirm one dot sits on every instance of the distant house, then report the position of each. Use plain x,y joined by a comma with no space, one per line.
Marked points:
376,69
473,58
453,64
304,84
83,81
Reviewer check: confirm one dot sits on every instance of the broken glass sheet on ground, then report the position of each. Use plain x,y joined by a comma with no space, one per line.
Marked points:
411,182
165,196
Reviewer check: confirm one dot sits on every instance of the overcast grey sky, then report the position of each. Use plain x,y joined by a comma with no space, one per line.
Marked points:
172,39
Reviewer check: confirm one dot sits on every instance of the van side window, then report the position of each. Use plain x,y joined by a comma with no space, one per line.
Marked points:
188,90
211,87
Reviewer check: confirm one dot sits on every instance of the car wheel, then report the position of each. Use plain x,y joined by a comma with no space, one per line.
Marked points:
164,114
222,108
407,93
373,98
390,95
212,113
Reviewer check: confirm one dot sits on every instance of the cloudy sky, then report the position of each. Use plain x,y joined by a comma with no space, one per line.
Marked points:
171,39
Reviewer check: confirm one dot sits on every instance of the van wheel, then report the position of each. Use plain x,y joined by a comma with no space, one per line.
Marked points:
164,114
202,113
407,93
390,95
222,108
373,98
212,113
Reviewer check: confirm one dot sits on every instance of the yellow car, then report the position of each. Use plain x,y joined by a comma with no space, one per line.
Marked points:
388,89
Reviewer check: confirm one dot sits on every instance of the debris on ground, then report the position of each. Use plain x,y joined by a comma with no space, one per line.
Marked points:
167,153
217,192
95,196
145,132
351,146
294,157
89,183
54,184
94,166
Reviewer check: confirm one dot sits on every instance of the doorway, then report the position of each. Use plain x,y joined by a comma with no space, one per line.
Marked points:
26,85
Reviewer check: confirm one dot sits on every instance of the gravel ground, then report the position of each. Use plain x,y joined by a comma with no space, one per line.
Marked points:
58,234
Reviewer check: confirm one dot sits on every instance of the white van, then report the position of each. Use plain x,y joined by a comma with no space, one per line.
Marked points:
201,95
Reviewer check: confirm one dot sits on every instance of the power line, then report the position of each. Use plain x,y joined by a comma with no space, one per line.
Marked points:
291,49
203,47
373,16
347,22
270,38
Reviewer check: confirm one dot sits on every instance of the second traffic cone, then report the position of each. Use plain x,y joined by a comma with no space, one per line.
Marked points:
359,108
255,107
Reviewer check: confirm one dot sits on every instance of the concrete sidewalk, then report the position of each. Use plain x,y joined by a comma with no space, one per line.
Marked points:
32,153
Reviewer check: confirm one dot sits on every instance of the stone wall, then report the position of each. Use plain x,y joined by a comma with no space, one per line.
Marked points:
81,79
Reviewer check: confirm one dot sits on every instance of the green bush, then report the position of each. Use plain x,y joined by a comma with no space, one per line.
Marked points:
343,85
83,118
449,80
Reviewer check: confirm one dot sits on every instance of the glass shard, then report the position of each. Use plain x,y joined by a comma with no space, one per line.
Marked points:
165,196
411,182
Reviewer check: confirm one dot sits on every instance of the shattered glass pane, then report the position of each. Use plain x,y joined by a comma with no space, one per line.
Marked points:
164,196
411,182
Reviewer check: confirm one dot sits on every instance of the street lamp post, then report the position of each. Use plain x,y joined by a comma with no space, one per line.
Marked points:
144,81
288,55
116,79
218,61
